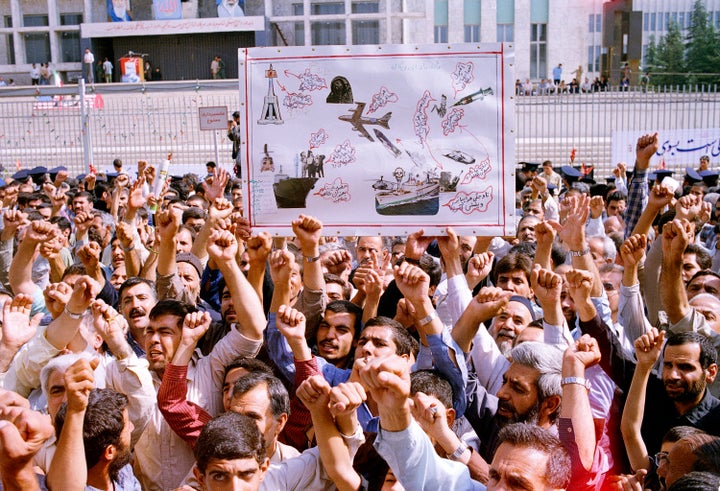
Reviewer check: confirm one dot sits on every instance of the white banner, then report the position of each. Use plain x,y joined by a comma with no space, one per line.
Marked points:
678,148
168,27
380,140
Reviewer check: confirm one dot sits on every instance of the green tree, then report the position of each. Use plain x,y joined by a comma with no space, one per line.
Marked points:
702,53
669,58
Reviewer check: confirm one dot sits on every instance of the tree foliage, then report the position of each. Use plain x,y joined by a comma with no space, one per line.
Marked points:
693,59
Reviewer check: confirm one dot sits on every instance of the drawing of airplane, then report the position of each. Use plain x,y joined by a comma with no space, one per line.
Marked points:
358,122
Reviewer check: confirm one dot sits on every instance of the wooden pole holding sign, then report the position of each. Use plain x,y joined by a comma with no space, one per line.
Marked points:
213,118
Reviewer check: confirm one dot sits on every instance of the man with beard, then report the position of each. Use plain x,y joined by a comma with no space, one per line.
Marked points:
93,428
137,298
530,393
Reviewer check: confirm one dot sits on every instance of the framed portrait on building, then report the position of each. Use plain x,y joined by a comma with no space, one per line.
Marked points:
379,140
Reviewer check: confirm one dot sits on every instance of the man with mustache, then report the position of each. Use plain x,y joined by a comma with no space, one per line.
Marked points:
137,298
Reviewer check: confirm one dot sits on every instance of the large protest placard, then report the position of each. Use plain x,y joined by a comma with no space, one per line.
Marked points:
380,140
677,149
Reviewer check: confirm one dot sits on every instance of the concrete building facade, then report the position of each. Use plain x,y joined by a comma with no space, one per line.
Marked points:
544,33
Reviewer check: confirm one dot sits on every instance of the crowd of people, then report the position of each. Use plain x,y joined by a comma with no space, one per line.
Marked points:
159,343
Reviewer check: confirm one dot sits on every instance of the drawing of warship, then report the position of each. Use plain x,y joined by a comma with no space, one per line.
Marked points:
414,196
460,156
291,192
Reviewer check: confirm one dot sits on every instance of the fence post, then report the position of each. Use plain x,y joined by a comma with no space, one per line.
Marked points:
85,127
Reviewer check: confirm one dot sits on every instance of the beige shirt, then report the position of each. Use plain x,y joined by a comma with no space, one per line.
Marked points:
163,459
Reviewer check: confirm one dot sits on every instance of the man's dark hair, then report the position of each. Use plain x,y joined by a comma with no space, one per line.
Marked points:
230,436
696,481
103,423
77,268
193,212
84,194
616,196
249,364
431,268
347,307
527,435
405,343
432,383
62,222
513,262
677,432
190,230
346,288
134,281
708,353
172,307
707,457
277,393
558,254
703,272
702,257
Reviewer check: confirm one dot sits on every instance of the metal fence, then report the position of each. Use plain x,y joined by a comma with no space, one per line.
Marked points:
49,126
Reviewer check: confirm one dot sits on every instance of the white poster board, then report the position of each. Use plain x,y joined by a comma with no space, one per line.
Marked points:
677,149
380,140
213,118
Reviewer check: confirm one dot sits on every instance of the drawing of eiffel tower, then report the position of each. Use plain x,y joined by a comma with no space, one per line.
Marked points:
271,107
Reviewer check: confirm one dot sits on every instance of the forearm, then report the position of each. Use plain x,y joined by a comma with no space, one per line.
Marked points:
672,291
24,479
644,223
62,330
576,407
630,275
466,328
133,264
281,295
20,273
300,349
543,257
199,247
149,269
370,308
166,257
333,452
247,304
57,268
313,278
395,418
586,263
68,470
7,354
256,277
185,418
632,417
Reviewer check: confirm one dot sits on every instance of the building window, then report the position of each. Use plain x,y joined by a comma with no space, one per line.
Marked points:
441,21
10,43
505,33
70,41
538,51
717,18
472,34
595,23
37,44
681,20
471,21
365,31
594,58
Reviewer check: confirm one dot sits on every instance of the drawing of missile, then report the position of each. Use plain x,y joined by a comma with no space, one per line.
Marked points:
386,142
475,96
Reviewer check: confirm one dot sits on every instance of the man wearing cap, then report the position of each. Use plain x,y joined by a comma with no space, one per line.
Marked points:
234,135
570,176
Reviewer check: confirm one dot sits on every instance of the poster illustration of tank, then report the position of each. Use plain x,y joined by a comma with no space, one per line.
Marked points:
379,139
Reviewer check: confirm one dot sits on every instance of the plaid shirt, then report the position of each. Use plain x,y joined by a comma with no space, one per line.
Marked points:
637,200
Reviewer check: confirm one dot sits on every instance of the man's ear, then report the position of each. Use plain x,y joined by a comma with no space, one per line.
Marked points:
711,373
199,476
450,416
282,420
109,453
264,467
549,406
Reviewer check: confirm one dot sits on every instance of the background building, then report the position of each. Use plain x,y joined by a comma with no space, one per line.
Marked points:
594,35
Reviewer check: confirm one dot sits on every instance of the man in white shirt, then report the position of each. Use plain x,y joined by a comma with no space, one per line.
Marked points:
89,60
107,70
